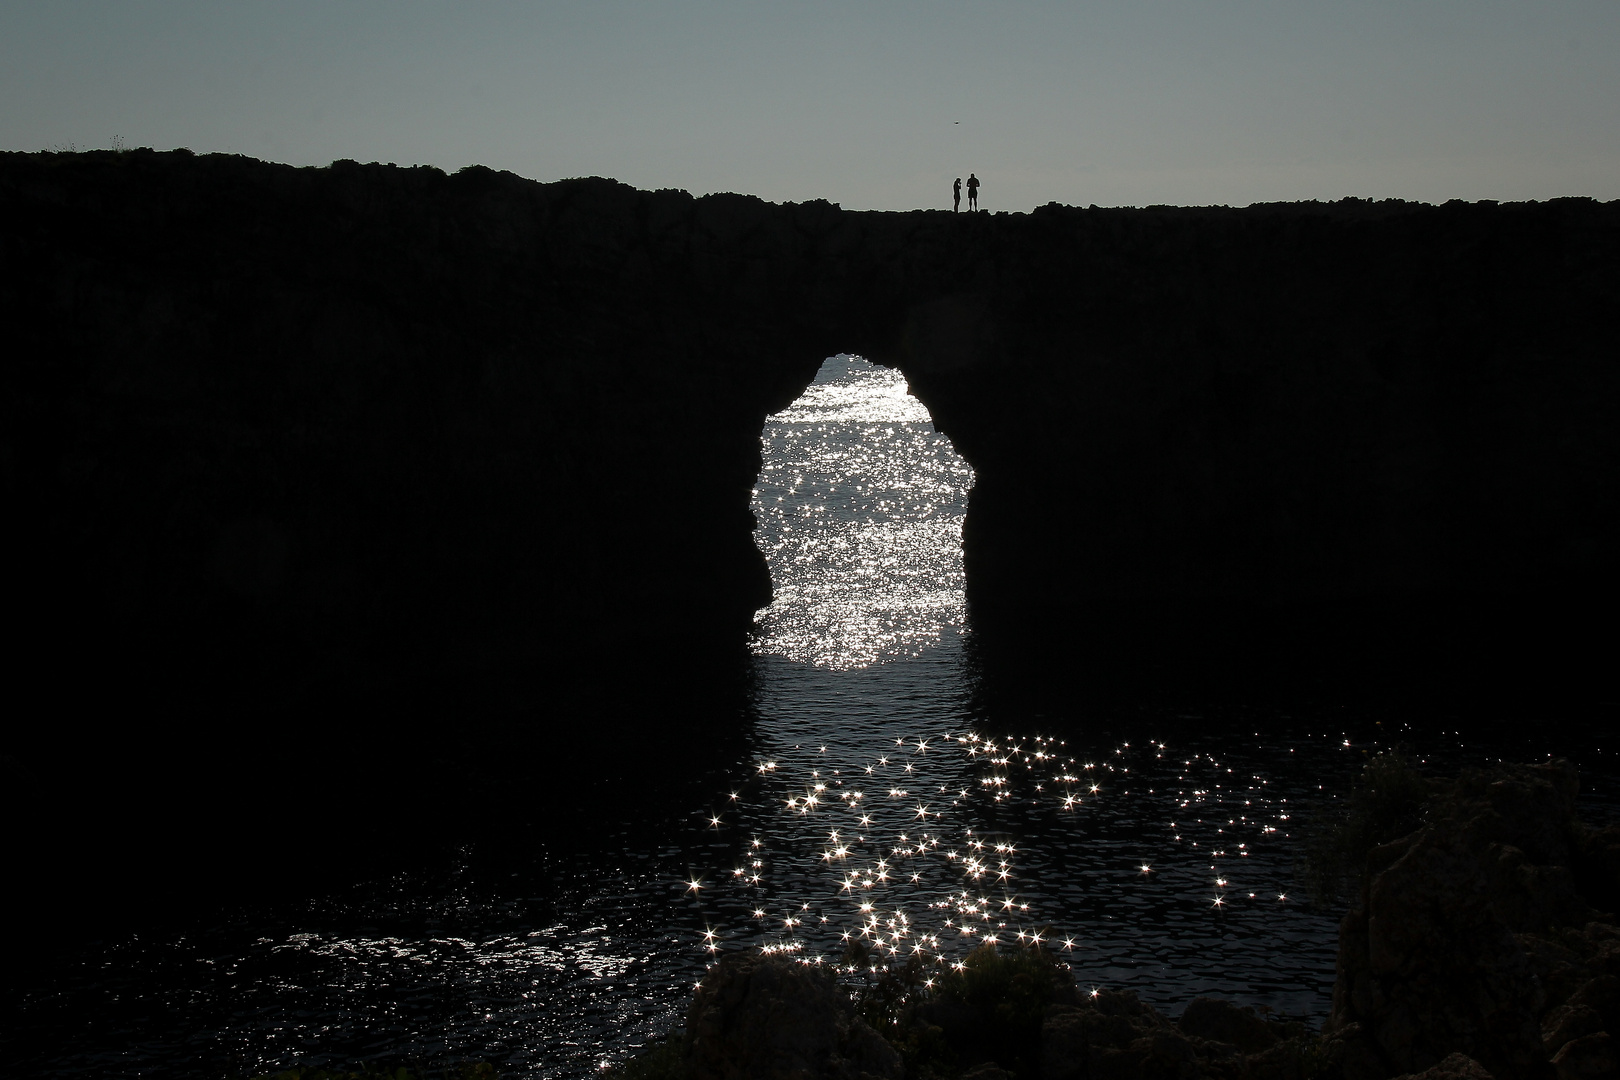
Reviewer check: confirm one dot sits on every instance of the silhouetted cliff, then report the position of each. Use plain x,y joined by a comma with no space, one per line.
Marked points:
368,416
1319,420
306,425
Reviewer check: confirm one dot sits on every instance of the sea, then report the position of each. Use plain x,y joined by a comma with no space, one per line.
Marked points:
870,803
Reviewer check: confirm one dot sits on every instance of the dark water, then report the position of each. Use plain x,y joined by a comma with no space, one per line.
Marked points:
872,783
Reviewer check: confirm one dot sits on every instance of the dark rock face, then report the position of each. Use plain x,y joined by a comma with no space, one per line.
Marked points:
1454,1067
1323,429
1215,1020
1588,1056
767,1018
292,424
1471,936
371,418
326,482
347,448
1114,1036
987,1071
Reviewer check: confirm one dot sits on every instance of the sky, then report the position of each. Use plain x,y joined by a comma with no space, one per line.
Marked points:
872,105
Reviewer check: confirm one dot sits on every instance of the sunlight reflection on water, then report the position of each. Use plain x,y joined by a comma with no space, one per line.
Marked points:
860,509
588,951
1131,861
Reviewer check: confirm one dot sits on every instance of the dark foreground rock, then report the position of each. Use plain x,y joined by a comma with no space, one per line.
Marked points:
1454,1067
770,1017
1114,1036
766,1018
1476,934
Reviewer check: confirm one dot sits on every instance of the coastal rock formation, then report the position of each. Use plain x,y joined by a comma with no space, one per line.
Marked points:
767,1018
1371,431
297,456
273,428
758,1016
1474,935
284,429
1454,1067
1114,1036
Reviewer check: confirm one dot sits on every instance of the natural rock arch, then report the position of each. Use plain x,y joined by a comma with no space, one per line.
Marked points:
360,416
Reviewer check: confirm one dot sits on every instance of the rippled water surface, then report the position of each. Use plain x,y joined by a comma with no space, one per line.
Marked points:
860,515
878,800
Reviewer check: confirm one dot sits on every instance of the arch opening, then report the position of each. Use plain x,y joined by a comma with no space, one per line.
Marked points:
858,510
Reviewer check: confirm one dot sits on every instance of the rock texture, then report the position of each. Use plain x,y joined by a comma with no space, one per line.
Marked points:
1369,431
1114,1036
760,1018
284,426
1454,1067
1283,406
1474,935
768,1018
290,426
298,456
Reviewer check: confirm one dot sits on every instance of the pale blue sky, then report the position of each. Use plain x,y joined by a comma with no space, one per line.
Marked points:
871,105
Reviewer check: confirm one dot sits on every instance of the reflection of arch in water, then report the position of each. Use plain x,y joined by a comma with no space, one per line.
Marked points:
859,508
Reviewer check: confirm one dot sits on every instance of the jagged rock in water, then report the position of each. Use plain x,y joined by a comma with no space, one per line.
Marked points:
768,1018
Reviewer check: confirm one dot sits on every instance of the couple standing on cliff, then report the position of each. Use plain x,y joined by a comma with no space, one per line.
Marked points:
973,194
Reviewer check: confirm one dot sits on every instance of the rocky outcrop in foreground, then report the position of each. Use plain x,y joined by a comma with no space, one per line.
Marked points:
758,1017
1477,934
1113,1035
1474,952
768,1018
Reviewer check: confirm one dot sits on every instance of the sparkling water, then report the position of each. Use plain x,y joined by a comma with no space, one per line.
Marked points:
876,803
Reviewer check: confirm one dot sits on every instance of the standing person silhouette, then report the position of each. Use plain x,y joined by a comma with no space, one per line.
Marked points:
956,195
973,192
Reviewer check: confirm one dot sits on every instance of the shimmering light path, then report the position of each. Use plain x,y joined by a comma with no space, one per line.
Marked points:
1166,870
1151,847
878,813
860,515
